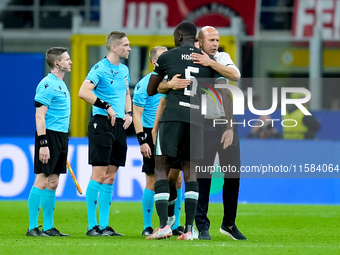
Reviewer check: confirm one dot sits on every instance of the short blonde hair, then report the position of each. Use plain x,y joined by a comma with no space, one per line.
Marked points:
153,53
113,37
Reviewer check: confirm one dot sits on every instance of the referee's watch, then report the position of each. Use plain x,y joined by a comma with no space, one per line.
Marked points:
130,113
42,140
43,143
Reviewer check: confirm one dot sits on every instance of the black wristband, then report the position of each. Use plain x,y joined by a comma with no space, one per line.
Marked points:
102,104
130,113
141,136
42,140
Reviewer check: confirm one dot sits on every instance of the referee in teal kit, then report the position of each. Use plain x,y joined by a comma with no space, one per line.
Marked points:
52,102
145,108
106,87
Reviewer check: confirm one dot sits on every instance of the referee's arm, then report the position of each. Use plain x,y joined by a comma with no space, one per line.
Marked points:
128,117
137,118
137,122
40,113
86,93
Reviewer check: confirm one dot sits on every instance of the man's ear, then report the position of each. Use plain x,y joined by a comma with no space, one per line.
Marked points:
153,62
200,42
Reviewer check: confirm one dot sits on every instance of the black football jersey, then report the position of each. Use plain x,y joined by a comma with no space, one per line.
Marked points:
184,104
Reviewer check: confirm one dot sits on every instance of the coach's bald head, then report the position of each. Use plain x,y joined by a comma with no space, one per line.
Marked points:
207,30
209,39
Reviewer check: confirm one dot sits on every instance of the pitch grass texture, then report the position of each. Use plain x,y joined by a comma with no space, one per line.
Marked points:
270,229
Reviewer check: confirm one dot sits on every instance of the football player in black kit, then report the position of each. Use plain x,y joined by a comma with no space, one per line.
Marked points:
180,133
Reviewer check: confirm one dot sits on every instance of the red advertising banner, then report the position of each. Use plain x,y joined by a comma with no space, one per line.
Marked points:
309,14
139,13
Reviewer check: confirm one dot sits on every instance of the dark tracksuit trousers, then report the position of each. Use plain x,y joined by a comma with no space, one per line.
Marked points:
229,156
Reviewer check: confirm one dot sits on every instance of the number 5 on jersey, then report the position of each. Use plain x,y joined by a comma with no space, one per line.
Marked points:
193,80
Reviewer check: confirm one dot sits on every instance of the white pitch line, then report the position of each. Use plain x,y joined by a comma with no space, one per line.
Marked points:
210,244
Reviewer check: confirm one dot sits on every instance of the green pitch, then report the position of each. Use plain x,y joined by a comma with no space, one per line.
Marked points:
270,229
